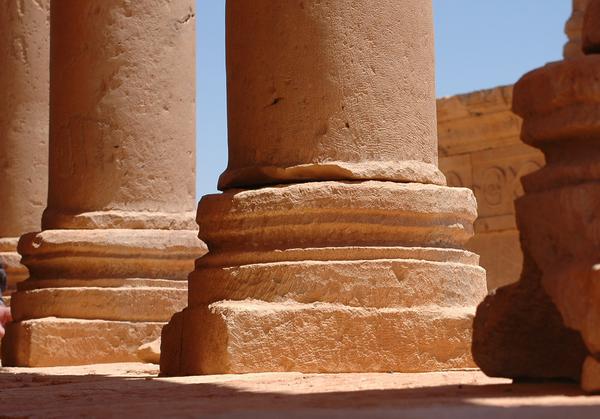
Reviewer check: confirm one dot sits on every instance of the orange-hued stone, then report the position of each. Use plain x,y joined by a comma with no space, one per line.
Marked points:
353,259
480,149
24,74
329,94
118,240
557,219
371,265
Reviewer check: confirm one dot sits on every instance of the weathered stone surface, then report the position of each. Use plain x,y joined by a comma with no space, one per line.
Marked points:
480,149
573,30
591,28
312,214
119,237
120,276
253,336
102,254
52,341
122,118
150,352
320,98
355,260
275,281
557,218
519,333
120,304
24,54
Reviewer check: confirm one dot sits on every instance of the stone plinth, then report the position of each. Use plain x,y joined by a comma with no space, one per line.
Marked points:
24,54
557,218
118,240
344,251
480,149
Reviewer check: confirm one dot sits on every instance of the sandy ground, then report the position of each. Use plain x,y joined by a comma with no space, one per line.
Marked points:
133,390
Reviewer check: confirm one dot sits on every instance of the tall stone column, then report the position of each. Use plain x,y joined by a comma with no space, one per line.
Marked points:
24,54
336,245
118,239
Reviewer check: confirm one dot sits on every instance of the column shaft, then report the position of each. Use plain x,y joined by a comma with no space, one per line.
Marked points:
24,54
110,266
320,98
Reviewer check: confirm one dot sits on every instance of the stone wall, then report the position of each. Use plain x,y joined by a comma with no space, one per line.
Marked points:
479,148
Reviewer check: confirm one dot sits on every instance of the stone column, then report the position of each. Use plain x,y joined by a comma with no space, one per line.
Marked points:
24,54
118,239
336,245
547,324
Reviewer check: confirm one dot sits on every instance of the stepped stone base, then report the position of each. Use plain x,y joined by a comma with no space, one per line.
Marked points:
330,277
253,336
53,341
95,296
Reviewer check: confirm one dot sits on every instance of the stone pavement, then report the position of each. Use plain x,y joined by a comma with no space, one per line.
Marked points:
133,390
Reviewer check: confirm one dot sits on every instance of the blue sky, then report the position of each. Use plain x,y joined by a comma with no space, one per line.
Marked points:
479,44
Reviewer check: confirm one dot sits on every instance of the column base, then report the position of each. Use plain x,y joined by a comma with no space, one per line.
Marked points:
95,296
57,342
330,277
253,336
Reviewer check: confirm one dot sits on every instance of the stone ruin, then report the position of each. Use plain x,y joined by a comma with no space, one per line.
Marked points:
337,243
546,325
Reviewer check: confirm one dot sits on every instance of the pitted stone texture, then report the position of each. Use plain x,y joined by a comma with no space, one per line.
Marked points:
119,304
99,254
122,117
252,336
320,98
24,79
591,28
274,281
129,275
323,214
127,282
53,341
411,281
121,178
